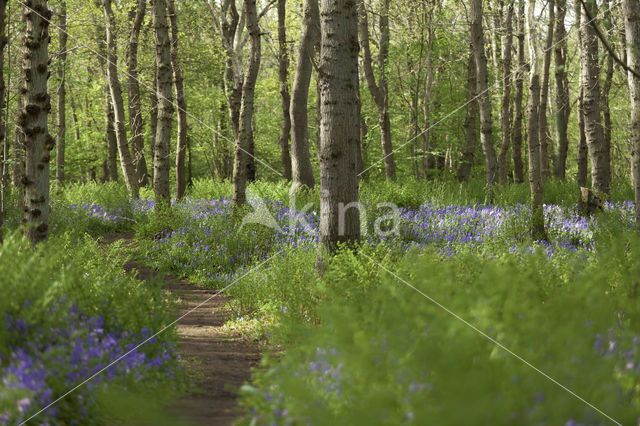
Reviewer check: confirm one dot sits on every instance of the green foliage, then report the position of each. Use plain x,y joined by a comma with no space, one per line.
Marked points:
69,297
388,352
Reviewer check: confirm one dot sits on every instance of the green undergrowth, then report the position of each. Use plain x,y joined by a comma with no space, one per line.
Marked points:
365,345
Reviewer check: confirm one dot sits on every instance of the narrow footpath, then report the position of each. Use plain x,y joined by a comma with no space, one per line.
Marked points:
219,362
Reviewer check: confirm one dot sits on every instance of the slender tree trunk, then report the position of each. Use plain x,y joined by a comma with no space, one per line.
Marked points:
632,35
362,151
563,109
33,121
518,166
18,172
379,90
161,161
339,130
544,95
126,161
301,171
283,74
583,151
505,115
111,142
62,116
590,71
486,131
608,80
153,119
3,124
243,146
136,125
535,177
178,82
470,123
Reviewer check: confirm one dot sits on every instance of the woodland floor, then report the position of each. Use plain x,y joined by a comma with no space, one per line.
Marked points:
218,361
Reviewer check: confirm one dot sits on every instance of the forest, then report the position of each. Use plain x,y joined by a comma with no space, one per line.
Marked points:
319,212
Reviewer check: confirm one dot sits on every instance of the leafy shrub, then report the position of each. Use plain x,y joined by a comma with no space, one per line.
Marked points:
71,312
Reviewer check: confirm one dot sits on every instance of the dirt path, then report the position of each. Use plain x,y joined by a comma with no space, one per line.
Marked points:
220,362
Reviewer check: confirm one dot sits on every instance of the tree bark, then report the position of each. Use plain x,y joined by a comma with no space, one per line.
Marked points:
608,80
470,123
632,35
486,131
339,129
518,166
583,151
136,14
590,72
563,109
301,171
535,178
3,126
244,141
505,115
178,81
62,116
161,161
283,75
126,162
153,119
379,90
544,95
33,120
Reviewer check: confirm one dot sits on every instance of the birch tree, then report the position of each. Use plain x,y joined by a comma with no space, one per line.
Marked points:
632,32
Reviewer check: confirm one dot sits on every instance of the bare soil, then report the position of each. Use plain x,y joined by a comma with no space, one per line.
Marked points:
218,361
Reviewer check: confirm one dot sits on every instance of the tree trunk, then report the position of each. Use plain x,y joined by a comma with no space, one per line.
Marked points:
153,119
632,35
283,74
535,178
563,109
136,125
608,80
126,161
33,121
544,95
518,166
486,132
3,126
62,116
17,172
505,115
379,90
178,82
161,160
470,123
590,72
243,146
301,171
339,130
583,151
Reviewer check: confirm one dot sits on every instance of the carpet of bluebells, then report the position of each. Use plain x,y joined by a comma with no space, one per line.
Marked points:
68,355
370,351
